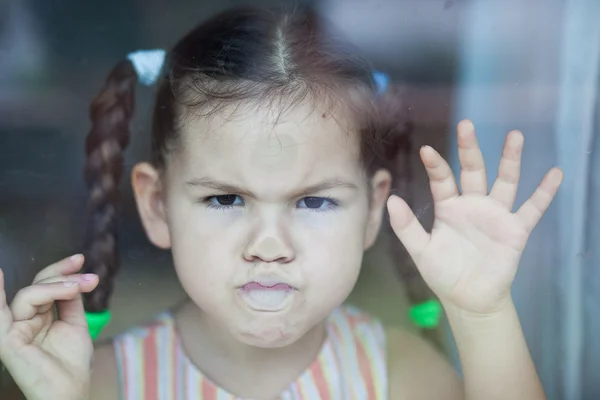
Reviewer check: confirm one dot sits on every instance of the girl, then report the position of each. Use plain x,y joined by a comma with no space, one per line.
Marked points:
269,178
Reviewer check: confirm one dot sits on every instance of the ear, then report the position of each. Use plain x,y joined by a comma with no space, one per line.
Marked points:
150,203
381,183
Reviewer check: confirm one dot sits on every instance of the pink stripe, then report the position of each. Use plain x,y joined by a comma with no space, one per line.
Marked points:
150,365
365,369
320,381
209,391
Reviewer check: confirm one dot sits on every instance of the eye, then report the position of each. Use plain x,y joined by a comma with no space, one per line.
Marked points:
317,203
224,201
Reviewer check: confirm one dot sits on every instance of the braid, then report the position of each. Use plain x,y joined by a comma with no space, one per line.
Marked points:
398,146
110,112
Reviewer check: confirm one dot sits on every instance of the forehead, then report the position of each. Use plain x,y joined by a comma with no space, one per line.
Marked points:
282,144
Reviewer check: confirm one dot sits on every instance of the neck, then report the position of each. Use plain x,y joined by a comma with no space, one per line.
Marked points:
236,366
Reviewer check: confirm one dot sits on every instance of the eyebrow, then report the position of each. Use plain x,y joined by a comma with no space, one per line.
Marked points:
215,184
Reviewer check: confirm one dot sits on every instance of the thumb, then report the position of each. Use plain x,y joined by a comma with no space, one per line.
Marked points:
407,227
71,311
6,318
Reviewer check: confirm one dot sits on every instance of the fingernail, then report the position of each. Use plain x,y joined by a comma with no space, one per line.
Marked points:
69,283
76,257
88,277
514,135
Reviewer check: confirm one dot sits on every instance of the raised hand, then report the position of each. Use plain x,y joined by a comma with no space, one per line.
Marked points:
471,255
49,358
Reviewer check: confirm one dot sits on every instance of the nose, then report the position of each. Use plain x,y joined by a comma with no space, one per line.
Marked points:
269,245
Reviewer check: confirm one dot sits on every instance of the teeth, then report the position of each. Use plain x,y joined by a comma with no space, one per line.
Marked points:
268,300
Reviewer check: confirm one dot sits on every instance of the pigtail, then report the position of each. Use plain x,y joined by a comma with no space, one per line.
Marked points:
396,131
111,112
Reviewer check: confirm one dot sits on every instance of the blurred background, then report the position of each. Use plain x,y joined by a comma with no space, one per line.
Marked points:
506,64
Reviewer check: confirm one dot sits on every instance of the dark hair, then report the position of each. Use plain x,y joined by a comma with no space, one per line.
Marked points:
246,53
110,112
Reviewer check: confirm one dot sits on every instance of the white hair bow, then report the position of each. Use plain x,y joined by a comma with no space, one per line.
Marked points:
147,64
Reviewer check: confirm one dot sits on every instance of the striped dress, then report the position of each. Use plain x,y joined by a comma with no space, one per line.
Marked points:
350,366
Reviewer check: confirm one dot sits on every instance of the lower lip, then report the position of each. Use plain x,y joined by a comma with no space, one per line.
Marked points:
266,299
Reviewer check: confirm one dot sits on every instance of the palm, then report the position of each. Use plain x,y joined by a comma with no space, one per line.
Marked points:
471,255
43,354
471,232
52,343
57,349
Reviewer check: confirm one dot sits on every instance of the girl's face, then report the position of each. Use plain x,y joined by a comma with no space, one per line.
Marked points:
267,213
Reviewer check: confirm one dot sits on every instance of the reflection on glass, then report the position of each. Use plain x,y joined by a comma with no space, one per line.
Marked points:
311,214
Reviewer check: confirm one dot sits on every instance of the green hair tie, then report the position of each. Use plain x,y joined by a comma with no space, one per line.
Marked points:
426,314
97,321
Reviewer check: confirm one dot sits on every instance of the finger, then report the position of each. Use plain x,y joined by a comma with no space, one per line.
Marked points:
6,318
27,300
533,209
83,279
441,180
506,184
65,266
87,282
407,227
41,297
71,311
472,166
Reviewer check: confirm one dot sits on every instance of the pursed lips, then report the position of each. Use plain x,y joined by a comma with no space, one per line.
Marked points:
267,294
267,283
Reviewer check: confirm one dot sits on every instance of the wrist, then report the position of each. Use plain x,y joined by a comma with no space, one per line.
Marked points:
493,353
458,315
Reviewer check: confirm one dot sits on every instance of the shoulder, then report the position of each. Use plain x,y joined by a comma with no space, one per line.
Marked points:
105,381
107,371
418,371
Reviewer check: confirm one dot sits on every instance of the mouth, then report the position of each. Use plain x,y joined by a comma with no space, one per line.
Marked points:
267,294
267,283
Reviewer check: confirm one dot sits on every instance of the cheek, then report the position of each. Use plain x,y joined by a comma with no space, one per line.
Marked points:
333,271
334,256
202,250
